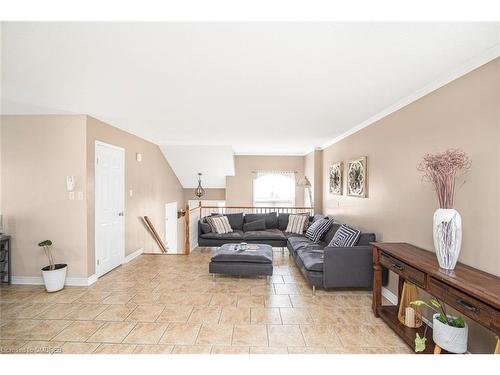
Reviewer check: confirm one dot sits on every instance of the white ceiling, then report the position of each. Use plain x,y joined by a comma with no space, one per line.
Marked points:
214,162
271,88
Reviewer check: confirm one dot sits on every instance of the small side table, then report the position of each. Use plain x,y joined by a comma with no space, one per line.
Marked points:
5,263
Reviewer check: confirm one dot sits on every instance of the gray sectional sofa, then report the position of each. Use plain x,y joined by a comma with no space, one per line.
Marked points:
321,265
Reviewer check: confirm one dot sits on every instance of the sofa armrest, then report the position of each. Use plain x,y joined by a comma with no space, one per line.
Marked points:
348,267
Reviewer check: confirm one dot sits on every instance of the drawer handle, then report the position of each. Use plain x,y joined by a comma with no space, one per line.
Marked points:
468,306
398,267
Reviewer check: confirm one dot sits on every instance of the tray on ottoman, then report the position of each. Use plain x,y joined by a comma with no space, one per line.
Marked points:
255,260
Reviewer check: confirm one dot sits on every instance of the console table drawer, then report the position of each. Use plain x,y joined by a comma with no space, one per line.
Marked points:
466,304
401,268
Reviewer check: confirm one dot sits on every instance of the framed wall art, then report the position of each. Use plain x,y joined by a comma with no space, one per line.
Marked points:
336,174
357,177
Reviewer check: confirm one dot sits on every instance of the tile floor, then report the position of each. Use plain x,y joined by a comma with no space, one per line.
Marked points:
170,304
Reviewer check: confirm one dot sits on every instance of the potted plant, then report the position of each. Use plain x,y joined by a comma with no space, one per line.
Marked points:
442,169
54,275
449,332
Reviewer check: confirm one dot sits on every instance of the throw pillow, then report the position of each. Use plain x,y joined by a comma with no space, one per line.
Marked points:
271,219
345,237
255,225
318,229
219,224
296,224
235,220
205,227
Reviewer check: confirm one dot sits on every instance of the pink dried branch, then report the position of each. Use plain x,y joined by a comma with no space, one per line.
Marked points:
442,169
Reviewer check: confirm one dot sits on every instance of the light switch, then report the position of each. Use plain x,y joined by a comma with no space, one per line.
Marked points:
130,192
71,195
138,157
80,195
70,183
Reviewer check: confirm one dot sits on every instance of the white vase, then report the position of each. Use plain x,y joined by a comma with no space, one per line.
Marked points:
452,339
54,279
447,233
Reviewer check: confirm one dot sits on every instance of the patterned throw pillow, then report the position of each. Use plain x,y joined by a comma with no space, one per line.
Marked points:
296,224
345,237
318,229
219,224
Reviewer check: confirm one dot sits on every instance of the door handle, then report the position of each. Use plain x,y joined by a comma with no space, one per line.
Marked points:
120,213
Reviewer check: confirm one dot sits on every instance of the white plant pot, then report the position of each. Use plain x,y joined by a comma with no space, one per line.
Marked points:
449,338
54,280
447,234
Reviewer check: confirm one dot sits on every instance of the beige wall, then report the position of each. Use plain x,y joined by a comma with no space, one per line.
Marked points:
313,169
463,114
38,152
239,186
318,180
152,181
212,194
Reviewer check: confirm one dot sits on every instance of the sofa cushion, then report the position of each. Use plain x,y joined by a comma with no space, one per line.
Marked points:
268,234
366,238
283,220
313,260
312,246
331,232
299,242
345,237
236,235
271,219
205,228
318,229
254,225
318,217
235,220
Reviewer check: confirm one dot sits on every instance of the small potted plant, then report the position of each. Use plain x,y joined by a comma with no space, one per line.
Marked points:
449,332
54,275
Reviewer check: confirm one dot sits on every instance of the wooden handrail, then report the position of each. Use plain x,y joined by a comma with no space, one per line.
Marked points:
258,209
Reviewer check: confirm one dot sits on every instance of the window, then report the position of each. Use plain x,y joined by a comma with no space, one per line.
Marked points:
274,189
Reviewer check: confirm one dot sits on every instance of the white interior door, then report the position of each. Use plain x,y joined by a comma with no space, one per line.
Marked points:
171,226
109,207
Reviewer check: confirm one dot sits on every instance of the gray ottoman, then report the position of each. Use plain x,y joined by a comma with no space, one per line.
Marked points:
256,260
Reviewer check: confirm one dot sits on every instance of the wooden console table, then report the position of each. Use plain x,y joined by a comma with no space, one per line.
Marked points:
474,293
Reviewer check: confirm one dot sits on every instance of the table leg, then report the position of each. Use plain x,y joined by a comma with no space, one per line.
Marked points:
377,282
9,264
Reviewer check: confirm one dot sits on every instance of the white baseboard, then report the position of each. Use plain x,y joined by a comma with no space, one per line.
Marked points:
38,280
390,296
133,255
27,280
